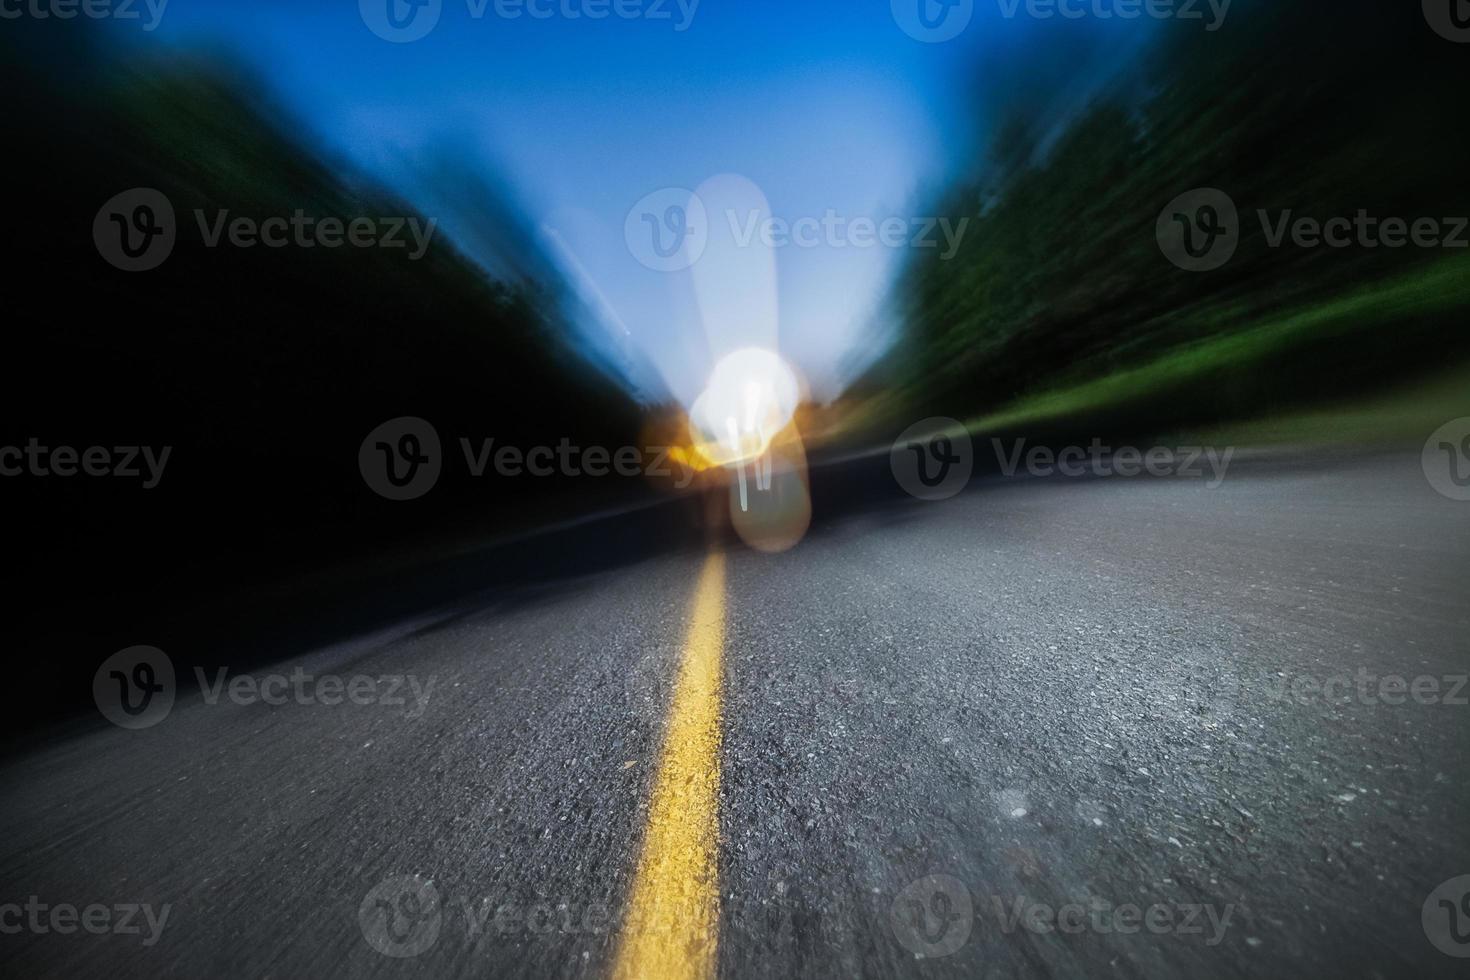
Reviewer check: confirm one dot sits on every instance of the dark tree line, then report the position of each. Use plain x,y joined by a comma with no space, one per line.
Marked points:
1323,110
262,368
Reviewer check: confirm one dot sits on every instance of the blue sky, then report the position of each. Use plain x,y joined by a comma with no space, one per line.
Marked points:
825,107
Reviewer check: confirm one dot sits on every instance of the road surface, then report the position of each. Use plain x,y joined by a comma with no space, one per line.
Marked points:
1050,727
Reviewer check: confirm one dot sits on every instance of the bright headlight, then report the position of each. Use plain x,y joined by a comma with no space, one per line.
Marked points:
751,396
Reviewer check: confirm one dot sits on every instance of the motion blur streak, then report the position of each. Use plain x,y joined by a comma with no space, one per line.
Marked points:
672,923
775,516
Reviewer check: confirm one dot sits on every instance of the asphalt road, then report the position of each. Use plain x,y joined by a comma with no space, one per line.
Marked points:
944,725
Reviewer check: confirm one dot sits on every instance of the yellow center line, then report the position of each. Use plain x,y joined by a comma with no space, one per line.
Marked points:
671,928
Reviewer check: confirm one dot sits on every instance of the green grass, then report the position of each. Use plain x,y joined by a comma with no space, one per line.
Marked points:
1403,416
1432,294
